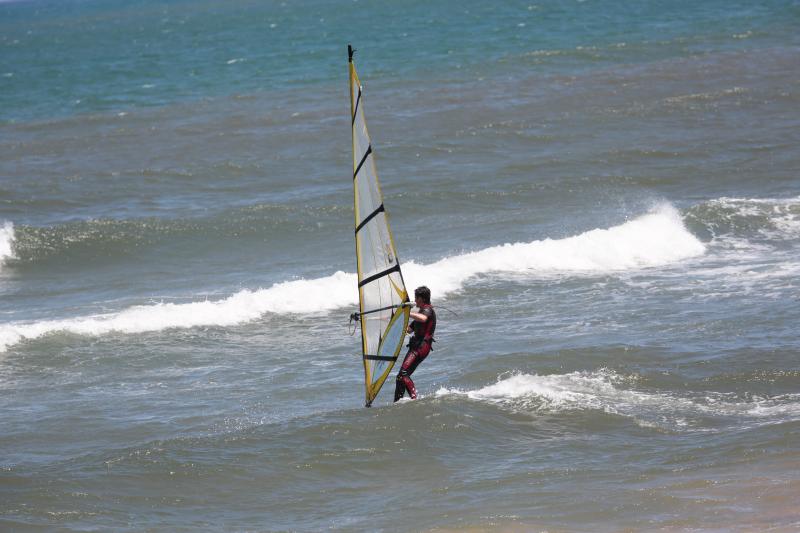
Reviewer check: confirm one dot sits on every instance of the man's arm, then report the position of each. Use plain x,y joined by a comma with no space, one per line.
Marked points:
416,317
419,317
422,316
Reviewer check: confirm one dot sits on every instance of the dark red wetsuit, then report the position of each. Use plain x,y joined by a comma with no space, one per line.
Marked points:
419,348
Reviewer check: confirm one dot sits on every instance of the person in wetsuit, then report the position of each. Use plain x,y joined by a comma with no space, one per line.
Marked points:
423,326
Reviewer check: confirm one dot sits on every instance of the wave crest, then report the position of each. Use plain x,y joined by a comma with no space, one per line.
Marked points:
607,391
655,239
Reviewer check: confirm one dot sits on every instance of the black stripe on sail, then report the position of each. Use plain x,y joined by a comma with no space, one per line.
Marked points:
378,310
363,159
395,268
372,215
355,107
380,358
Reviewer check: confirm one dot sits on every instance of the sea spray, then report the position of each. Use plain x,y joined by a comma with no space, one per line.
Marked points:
6,242
655,239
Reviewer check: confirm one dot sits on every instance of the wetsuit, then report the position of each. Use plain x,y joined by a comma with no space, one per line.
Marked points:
419,348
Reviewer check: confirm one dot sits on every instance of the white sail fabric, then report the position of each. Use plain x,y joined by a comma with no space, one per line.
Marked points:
382,292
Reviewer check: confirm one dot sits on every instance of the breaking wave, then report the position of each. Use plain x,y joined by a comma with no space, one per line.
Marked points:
728,218
6,242
614,394
654,239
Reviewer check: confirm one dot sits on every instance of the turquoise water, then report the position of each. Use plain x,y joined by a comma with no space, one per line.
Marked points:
603,198
63,58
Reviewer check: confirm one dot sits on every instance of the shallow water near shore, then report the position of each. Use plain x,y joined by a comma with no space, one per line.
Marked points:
604,201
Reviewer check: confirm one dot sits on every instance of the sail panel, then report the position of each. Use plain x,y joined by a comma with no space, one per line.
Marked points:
382,291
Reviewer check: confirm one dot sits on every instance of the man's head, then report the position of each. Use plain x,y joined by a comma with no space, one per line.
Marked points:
423,293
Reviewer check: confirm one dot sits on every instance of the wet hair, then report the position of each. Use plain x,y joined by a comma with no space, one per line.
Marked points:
424,293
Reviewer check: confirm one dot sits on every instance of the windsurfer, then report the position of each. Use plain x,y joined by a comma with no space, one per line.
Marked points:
423,327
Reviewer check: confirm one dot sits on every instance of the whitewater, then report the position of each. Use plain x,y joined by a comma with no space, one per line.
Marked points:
6,242
655,239
607,391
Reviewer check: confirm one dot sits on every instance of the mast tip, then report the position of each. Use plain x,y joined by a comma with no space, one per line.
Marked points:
350,52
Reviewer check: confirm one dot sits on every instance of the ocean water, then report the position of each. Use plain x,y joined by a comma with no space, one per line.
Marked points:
604,198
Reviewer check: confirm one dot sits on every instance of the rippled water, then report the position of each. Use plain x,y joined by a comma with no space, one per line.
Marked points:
603,199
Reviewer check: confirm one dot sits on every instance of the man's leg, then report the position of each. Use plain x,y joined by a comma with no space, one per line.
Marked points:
402,377
410,363
399,388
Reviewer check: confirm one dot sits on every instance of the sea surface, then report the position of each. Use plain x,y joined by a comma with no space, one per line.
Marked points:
604,198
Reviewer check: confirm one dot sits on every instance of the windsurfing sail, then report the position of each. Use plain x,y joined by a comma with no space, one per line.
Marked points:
383,299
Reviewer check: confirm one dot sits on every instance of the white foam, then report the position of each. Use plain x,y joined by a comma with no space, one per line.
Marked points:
6,241
607,391
782,213
742,263
299,296
575,391
657,238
